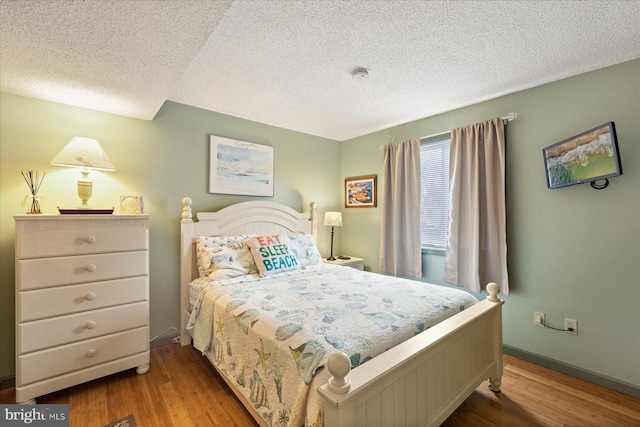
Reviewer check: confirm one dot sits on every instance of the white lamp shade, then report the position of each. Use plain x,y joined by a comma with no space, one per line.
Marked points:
333,219
85,153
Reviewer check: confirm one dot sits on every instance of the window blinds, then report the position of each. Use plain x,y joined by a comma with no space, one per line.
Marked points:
434,192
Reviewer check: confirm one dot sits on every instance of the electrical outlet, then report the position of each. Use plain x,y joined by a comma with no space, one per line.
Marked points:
571,324
539,318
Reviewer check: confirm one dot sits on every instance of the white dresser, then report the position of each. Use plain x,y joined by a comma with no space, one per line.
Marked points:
82,299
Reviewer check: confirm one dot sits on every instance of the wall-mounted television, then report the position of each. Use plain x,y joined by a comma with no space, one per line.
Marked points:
588,157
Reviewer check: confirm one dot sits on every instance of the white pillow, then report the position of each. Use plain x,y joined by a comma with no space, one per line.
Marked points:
232,260
204,245
304,248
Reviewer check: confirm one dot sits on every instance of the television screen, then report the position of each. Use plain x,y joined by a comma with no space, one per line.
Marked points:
588,157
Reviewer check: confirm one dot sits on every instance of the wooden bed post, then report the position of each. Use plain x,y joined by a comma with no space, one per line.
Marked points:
314,223
496,378
186,264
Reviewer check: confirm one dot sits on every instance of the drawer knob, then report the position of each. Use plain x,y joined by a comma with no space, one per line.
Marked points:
90,239
90,268
90,324
91,353
90,296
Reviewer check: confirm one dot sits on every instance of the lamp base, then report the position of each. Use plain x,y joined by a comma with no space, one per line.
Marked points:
85,189
331,257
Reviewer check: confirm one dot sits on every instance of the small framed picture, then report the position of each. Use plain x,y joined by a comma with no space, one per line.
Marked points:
131,205
360,192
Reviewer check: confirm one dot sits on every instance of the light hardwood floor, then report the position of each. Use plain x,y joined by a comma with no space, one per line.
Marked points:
182,390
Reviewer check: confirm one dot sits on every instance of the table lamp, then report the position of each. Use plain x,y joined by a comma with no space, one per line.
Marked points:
85,153
334,219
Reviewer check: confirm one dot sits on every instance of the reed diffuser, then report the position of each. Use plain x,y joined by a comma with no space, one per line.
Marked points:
34,181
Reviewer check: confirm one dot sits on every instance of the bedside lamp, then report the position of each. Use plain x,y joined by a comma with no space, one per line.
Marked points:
334,219
85,153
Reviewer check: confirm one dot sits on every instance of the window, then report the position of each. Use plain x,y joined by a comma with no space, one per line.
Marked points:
434,191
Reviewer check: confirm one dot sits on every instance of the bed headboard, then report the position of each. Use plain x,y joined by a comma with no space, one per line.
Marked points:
260,217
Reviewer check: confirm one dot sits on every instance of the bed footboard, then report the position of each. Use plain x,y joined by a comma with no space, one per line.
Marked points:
423,380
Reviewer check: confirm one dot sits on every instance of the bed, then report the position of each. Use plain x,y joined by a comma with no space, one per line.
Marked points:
418,381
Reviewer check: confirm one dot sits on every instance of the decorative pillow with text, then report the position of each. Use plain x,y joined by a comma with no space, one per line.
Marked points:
273,254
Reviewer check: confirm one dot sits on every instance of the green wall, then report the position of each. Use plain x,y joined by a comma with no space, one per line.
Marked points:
163,160
572,252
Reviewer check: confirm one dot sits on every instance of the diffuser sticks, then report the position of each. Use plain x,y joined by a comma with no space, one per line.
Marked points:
34,181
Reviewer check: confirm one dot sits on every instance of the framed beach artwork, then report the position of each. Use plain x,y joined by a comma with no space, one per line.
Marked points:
360,192
240,167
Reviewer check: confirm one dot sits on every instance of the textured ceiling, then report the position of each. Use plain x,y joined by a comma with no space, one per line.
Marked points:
289,63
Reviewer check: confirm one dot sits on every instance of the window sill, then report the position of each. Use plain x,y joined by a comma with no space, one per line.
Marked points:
433,251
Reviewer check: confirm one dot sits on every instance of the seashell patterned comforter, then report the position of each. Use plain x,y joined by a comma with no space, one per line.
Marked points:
272,336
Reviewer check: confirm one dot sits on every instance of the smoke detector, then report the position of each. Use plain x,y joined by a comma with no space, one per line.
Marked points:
360,73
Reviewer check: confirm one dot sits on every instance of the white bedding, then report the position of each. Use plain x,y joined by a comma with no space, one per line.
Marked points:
272,336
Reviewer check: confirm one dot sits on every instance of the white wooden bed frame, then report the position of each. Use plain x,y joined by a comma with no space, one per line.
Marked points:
419,382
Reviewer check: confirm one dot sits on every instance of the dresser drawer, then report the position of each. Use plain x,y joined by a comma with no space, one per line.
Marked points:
42,303
46,272
46,333
61,236
49,363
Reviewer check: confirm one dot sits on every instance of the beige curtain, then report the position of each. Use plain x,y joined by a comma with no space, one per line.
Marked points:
476,251
400,251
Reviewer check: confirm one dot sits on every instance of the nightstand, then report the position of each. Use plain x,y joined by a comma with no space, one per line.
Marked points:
82,299
357,263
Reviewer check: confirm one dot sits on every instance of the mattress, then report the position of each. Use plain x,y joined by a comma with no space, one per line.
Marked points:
271,336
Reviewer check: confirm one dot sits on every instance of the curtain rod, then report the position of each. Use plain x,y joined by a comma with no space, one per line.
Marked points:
505,119
508,118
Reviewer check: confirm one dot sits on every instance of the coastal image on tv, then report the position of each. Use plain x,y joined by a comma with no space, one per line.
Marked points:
590,156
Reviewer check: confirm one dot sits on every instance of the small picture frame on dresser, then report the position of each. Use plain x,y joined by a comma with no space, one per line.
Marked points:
131,205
